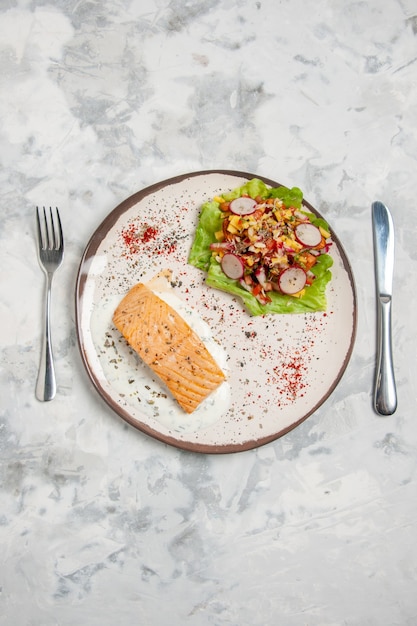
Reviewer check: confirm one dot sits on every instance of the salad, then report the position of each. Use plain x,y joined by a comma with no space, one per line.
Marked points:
263,245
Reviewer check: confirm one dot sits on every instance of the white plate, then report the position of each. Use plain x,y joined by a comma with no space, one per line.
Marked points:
280,368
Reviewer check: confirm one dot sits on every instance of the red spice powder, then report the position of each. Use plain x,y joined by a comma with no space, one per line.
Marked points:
134,238
149,234
145,237
291,374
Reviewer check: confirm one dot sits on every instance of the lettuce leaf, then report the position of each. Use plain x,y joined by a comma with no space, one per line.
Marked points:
210,222
314,298
256,188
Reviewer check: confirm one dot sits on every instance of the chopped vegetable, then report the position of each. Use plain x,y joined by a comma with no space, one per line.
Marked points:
243,205
262,244
292,280
308,234
232,265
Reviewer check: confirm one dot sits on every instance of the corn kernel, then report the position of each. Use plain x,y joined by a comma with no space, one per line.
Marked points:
279,260
299,294
236,221
292,244
324,232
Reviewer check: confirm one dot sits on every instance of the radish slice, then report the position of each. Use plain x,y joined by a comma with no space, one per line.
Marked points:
232,266
308,235
222,245
301,216
292,280
243,206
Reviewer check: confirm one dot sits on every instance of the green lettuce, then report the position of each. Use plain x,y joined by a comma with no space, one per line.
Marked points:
210,222
256,188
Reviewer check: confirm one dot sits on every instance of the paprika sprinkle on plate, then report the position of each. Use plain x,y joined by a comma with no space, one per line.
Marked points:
134,237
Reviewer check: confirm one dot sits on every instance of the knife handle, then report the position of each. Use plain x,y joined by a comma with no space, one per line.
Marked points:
385,399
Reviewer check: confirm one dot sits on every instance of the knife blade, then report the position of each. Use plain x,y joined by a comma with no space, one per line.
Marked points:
385,392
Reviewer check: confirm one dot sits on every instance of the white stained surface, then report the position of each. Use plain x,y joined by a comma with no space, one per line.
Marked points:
99,523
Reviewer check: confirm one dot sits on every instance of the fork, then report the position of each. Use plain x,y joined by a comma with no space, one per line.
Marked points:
50,254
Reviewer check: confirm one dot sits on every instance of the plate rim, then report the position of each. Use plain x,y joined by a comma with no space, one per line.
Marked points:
89,251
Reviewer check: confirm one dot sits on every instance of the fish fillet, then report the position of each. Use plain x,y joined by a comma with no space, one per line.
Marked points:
166,343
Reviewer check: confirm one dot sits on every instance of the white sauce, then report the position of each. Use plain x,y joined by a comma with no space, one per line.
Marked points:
125,374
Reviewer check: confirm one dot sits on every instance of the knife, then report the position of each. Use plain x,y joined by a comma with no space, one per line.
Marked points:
385,394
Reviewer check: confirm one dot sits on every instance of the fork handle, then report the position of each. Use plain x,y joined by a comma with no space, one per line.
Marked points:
46,382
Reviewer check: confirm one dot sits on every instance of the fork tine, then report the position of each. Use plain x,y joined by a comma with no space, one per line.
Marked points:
38,227
53,245
47,237
61,238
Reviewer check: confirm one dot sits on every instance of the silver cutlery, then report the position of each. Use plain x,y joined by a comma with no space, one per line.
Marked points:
50,254
385,394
